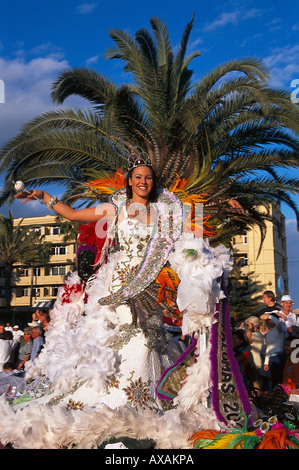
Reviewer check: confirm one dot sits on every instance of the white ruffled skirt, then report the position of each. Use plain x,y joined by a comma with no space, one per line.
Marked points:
101,375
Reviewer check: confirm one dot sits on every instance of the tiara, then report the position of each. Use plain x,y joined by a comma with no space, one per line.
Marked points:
138,158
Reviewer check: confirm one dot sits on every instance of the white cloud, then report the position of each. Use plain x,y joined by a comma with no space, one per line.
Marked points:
283,64
85,8
233,17
92,60
27,91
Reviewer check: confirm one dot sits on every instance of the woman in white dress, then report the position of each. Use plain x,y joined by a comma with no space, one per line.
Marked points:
113,372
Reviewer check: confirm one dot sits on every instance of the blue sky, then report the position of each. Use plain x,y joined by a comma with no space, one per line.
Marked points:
40,39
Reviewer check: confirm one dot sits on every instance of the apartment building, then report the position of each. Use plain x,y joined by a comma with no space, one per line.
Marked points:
270,268
38,286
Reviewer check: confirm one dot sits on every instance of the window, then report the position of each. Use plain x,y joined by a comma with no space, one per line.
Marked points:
35,292
25,272
25,292
47,270
58,271
36,271
59,250
55,230
54,291
38,230
245,238
245,260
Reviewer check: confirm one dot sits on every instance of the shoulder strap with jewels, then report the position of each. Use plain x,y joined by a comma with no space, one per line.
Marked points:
229,396
168,228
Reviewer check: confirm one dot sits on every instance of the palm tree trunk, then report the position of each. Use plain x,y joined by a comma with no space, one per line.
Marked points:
31,286
8,269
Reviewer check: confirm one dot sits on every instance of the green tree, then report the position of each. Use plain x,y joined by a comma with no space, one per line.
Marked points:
19,244
244,293
230,134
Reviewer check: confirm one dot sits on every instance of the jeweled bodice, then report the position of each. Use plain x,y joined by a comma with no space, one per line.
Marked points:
133,238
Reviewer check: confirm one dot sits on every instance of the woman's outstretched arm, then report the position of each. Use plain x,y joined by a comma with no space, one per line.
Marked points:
92,214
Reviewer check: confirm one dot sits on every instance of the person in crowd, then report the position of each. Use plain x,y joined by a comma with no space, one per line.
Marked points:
25,349
256,342
270,303
17,333
274,350
44,319
38,342
2,329
35,318
8,327
291,320
12,381
7,345
243,356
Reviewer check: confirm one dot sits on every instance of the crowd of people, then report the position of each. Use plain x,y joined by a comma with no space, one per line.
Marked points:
17,346
266,345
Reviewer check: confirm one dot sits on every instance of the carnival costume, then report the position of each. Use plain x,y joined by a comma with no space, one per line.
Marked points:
110,368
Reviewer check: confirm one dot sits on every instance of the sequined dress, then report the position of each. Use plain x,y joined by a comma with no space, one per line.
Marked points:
142,347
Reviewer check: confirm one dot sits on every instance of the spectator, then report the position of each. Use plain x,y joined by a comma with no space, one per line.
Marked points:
35,318
271,305
8,327
256,342
274,351
25,349
11,380
290,319
45,320
38,342
2,330
7,345
243,355
17,333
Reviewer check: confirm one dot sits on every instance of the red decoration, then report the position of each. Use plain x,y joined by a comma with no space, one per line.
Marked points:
88,236
69,292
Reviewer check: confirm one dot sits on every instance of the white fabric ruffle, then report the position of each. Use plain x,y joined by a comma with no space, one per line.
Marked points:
76,352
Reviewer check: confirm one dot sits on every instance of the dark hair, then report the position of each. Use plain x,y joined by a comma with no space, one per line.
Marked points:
8,365
240,334
154,192
7,335
270,294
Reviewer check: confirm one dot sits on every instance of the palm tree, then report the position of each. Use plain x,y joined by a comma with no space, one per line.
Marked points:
19,244
230,135
244,293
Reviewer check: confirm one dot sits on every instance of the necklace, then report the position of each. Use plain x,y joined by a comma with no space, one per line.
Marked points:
141,208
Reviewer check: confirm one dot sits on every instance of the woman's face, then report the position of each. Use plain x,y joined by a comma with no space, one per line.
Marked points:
141,183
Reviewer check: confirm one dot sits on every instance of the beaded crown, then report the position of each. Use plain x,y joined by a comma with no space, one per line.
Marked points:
138,158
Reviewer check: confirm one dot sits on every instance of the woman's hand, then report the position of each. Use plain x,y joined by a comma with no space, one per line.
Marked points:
30,196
